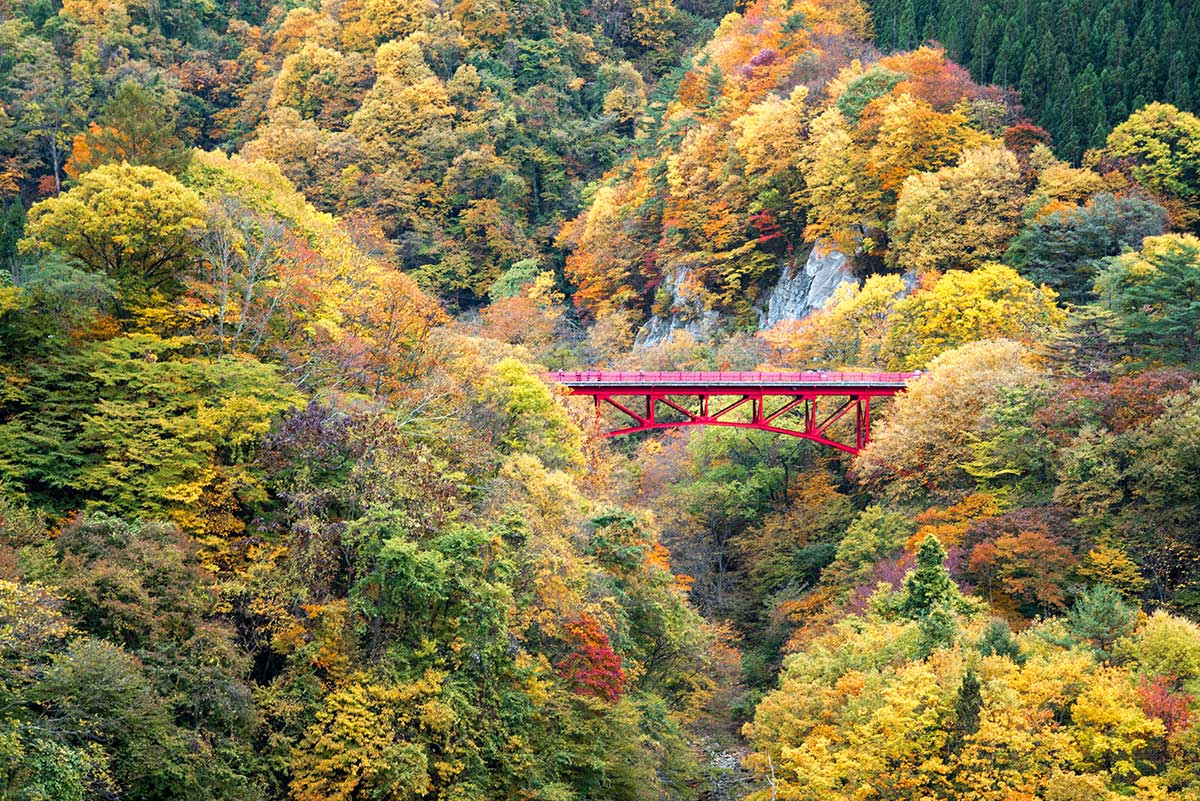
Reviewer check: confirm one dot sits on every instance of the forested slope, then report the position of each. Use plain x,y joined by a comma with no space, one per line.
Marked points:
242,558
990,601
1081,66
466,133
287,510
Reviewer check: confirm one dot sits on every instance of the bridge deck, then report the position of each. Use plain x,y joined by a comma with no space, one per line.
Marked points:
685,399
733,381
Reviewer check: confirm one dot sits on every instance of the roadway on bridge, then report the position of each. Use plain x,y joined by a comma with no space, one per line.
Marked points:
691,381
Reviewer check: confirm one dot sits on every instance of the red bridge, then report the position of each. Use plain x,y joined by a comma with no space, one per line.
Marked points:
804,405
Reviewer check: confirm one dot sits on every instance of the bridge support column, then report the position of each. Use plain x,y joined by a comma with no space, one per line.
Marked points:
862,425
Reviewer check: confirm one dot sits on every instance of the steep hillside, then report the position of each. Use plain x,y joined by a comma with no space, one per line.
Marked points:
290,510
789,133
464,131
1081,66
243,557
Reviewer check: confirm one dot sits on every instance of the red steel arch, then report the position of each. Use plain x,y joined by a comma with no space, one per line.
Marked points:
805,397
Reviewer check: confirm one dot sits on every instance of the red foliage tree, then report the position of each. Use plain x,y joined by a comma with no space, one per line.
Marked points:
1139,398
935,79
1161,699
592,668
1126,402
1023,137
1022,561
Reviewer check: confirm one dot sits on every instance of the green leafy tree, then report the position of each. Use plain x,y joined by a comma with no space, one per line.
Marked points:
930,596
1163,459
137,426
967,705
526,416
874,535
998,640
137,126
1155,294
1064,249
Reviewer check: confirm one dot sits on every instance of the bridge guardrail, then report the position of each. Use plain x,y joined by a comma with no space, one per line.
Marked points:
740,378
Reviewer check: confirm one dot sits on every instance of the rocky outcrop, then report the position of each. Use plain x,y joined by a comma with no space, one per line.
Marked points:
796,295
687,314
799,293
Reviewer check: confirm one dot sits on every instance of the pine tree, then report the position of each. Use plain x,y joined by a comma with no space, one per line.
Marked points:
1137,50
998,640
1118,45
1008,58
1178,90
1089,109
1088,345
1031,83
967,704
887,24
928,585
931,598
906,27
1102,617
981,51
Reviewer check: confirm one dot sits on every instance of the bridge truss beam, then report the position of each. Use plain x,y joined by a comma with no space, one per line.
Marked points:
797,413
808,405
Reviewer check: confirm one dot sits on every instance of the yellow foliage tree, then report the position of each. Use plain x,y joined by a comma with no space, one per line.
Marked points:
108,14
958,217
607,254
1111,730
1062,186
394,114
309,80
134,223
335,314
849,331
844,196
374,740
913,137
394,19
771,134
925,440
988,303
1109,564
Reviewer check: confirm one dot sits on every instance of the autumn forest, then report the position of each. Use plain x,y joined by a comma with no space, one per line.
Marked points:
290,510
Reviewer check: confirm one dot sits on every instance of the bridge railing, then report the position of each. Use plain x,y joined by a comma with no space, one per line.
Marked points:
703,378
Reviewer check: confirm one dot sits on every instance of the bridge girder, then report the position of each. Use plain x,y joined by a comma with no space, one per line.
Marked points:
802,410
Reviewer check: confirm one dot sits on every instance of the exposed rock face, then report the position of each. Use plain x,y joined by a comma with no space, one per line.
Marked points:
660,329
799,294
794,297
689,315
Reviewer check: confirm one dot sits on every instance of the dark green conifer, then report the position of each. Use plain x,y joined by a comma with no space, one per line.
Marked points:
998,640
1101,617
